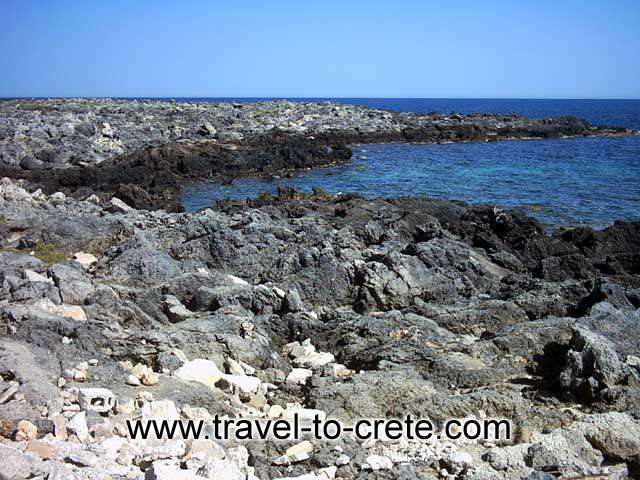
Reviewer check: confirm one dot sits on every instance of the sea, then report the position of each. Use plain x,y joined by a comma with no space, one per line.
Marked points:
562,182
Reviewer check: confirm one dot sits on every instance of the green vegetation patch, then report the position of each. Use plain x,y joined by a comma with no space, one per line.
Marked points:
48,253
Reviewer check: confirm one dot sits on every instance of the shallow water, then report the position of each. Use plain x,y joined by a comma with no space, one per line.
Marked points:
562,181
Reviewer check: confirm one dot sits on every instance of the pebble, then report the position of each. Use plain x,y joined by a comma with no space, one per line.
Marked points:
26,431
125,405
275,411
150,378
378,462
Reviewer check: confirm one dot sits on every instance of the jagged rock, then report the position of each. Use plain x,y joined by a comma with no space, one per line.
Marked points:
171,360
591,365
16,465
563,451
60,427
175,310
74,286
616,434
617,325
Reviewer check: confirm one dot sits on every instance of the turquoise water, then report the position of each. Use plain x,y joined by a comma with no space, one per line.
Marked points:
562,181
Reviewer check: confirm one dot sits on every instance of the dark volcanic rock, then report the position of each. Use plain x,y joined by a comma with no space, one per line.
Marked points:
355,307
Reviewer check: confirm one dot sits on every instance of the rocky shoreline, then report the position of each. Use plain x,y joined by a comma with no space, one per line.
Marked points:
347,307
142,150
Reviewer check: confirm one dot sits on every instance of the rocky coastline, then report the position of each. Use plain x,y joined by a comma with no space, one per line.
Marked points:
142,150
116,306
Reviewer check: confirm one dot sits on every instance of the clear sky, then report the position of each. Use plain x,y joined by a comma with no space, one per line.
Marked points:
298,48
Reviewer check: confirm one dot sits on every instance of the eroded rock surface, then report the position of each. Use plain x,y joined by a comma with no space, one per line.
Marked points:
338,305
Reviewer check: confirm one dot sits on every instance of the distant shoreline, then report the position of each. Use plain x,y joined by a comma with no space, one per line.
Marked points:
142,151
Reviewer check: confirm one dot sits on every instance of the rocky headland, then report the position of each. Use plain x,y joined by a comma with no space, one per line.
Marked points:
114,308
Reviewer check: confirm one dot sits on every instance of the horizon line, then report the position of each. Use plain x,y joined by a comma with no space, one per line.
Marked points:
198,97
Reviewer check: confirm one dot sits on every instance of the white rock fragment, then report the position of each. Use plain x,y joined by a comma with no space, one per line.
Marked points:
168,469
93,198
305,354
111,446
340,371
119,206
203,271
234,367
200,370
275,411
57,197
633,361
197,413
282,461
160,410
303,414
78,426
125,405
83,458
73,312
87,260
208,373
461,459
26,431
142,374
378,462
107,130
238,281
36,277
296,453
298,376
245,383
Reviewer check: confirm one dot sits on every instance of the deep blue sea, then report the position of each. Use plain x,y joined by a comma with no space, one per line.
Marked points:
562,182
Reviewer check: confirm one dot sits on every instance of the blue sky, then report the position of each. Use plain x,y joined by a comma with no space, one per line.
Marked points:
495,49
